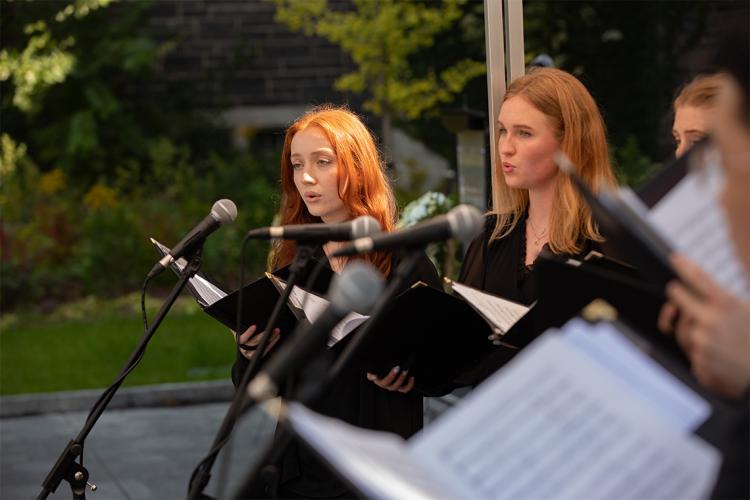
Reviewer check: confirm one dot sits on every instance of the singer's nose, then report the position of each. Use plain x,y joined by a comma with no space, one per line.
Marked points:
505,148
308,179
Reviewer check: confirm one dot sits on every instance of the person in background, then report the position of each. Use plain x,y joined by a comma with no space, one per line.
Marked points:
331,172
710,324
694,109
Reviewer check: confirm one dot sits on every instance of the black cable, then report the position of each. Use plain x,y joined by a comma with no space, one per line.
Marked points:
126,370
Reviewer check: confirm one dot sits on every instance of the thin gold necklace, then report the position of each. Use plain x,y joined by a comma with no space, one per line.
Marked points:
537,236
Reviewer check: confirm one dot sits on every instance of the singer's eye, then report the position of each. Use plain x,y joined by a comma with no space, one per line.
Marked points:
296,166
524,133
324,162
501,131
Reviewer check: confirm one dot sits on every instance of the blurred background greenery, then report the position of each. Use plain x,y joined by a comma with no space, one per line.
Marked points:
100,149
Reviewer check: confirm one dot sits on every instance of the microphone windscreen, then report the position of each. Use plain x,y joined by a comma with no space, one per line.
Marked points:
365,225
224,211
356,289
465,222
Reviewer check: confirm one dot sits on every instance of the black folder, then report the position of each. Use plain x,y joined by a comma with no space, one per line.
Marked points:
565,286
654,189
258,297
431,333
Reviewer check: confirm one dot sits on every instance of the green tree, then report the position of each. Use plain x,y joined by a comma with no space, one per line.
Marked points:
98,152
381,36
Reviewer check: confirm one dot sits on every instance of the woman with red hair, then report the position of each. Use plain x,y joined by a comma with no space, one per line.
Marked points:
331,172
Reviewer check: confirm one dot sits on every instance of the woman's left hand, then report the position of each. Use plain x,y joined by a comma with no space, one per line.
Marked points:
396,380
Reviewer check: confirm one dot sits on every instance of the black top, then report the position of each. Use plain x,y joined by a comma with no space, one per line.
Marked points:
353,399
498,267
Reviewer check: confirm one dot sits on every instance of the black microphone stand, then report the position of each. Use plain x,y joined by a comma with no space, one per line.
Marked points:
240,404
66,468
253,486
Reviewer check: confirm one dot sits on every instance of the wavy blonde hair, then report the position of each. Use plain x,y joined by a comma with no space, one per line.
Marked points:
362,182
701,92
578,125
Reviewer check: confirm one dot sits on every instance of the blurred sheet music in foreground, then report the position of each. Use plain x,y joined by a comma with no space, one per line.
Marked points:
567,418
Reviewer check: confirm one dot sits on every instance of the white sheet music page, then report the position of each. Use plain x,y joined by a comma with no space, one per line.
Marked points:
207,291
503,314
658,388
554,424
314,305
377,463
692,219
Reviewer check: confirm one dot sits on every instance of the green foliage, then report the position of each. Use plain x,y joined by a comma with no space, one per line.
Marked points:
92,163
381,36
444,255
638,166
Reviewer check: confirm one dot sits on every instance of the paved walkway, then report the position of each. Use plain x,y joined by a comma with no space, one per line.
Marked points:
143,446
132,453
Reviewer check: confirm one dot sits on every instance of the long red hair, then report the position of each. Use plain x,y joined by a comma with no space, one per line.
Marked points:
362,182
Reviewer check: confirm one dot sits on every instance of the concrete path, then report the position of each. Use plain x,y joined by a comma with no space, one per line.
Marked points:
143,446
132,453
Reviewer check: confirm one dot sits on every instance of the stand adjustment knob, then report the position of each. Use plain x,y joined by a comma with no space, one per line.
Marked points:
80,476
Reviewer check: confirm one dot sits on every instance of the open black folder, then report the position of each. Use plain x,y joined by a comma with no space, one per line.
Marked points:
432,334
564,286
258,297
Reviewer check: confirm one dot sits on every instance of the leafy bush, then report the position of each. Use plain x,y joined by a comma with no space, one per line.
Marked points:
93,163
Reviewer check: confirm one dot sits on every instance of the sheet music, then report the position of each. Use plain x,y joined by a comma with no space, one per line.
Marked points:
314,305
208,293
690,216
658,388
377,463
503,314
554,424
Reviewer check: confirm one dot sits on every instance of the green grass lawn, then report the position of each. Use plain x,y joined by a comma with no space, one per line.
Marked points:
85,345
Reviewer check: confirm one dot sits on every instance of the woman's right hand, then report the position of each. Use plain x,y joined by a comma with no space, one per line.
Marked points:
249,341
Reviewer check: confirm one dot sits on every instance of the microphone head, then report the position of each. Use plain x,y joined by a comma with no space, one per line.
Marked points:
356,289
465,222
365,225
224,211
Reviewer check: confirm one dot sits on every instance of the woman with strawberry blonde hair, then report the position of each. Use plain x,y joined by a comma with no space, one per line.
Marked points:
534,206
331,172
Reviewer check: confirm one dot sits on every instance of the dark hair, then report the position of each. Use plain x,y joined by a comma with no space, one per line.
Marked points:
733,57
